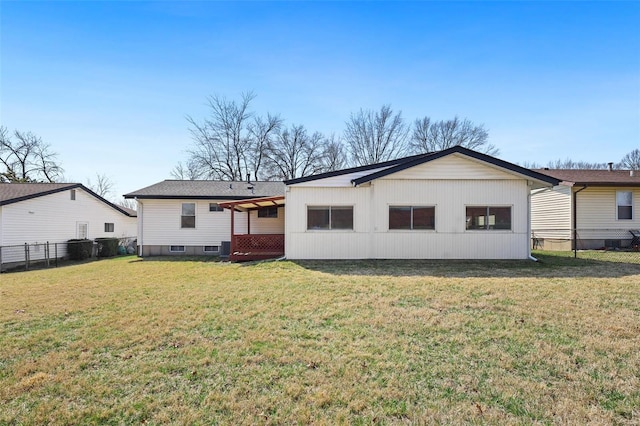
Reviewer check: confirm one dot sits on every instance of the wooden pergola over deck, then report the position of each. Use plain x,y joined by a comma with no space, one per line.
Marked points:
245,247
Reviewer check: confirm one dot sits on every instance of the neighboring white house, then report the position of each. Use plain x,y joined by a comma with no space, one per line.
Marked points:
56,212
597,208
184,217
452,204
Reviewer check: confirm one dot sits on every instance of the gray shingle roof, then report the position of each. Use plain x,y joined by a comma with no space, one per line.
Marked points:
595,177
208,189
15,192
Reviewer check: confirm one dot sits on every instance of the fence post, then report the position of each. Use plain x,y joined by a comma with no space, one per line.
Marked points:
46,253
575,243
26,256
0,259
55,250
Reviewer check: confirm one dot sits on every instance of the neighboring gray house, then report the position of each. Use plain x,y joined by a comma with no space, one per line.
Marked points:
184,217
596,207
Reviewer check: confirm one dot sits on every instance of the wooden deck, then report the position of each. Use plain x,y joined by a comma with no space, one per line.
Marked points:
256,247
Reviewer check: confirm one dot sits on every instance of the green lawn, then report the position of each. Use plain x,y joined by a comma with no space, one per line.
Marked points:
389,342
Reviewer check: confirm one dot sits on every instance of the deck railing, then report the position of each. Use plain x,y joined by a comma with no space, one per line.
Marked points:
259,243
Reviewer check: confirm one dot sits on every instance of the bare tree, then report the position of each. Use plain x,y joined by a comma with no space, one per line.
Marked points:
294,153
188,171
334,157
228,145
376,136
27,158
128,203
577,165
631,161
430,136
103,186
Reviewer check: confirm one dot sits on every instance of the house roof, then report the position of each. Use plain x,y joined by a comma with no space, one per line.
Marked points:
208,189
595,177
384,169
15,192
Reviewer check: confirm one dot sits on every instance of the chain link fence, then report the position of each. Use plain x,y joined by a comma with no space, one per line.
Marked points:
611,245
23,257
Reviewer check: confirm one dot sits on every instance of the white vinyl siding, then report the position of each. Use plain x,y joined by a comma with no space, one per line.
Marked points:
372,239
551,215
158,224
55,217
597,213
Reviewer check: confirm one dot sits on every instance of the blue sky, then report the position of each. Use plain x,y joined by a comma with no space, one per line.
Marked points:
108,84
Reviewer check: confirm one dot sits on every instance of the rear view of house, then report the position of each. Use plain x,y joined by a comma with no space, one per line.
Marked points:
452,204
589,209
187,217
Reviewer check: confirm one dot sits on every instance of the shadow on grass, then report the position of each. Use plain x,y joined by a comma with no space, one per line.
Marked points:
547,266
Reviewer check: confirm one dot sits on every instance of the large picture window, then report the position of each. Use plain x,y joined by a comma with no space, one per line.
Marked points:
188,218
412,217
329,217
624,204
491,218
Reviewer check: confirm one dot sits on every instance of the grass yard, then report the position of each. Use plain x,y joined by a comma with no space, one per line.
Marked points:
390,342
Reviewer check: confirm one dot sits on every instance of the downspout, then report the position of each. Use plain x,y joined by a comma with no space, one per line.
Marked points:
575,220
529,223
140,227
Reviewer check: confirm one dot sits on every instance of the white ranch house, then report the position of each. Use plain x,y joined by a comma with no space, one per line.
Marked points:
36,213
596,208
452,204
185,217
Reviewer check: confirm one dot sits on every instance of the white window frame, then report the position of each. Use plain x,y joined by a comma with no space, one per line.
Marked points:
618,205
487,207
217,208
171,249
411,228
330,206
217,250
195,211
79,226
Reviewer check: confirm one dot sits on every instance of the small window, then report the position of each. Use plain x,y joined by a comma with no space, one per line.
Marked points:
73,194
188,219
210,249
329,217
268,212
489,218
108,227
411,217
624,203
215,207
176,249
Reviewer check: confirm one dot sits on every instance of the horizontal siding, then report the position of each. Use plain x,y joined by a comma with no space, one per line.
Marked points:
551,212
455,167
337,181
371,237
159,223
54,218
597,214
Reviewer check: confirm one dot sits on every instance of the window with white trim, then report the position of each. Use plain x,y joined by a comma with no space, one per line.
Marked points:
188,218
488,218
210,249
215,207
624,205
329,217
412,217
176,249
